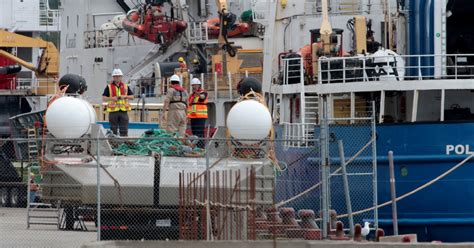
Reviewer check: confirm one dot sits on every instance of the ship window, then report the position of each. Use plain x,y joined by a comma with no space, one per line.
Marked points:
67,21
77,20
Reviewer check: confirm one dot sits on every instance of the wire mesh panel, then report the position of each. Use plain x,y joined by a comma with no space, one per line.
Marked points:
352,145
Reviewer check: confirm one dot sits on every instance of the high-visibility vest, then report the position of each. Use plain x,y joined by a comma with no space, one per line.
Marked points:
121,104
196,108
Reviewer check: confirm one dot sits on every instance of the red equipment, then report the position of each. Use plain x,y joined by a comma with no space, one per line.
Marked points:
213,28
151,24
7,81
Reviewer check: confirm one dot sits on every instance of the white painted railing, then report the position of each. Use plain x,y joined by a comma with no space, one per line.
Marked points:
298,134
110,38
395,68
293,71
198,32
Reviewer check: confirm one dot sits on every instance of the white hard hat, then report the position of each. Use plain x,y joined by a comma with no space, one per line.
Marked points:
195,81
117,72
175,78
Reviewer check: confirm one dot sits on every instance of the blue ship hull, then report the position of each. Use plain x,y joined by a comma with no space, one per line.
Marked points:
444,211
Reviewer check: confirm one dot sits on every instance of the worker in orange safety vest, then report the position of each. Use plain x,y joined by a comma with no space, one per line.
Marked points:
197,110
117,94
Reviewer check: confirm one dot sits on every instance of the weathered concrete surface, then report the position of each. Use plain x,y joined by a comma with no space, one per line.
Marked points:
13,232
264,244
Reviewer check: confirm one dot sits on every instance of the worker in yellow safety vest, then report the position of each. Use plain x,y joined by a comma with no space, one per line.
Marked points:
197,110
117,94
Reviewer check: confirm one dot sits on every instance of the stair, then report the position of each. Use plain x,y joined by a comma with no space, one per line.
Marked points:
144,68
311,108
32,144
43,214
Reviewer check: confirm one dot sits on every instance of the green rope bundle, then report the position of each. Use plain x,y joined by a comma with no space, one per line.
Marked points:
159,141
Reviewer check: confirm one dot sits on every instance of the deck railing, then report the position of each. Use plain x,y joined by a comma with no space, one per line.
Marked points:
218,85
298,134
110,38
395,68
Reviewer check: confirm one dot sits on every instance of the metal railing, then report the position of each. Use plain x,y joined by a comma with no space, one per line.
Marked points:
50,18
395,68
293,71
31,86
198,33
218,85
110,38
298,134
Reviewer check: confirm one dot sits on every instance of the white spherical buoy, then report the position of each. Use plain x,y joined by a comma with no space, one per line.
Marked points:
69,118
249,121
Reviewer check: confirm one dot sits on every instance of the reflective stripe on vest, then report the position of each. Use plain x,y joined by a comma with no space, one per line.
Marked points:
197,109
119,105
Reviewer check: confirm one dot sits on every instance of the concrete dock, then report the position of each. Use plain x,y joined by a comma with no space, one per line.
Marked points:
13,233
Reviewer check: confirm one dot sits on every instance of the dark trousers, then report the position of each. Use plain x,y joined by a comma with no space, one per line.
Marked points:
119,121
197,127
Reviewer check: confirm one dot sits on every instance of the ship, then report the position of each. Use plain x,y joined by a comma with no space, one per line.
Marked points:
397,72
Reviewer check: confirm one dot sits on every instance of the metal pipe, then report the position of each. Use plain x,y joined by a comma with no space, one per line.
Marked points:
393,193
324,164
374,167
99,222
346,188
208,193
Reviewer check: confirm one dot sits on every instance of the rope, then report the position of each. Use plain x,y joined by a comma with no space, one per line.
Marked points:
159,141
332,174
413,191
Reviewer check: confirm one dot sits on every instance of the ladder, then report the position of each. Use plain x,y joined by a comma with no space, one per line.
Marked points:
311,107
32,144
43,214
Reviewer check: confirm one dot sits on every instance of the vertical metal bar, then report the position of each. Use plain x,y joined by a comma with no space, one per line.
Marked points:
443,99
190,79
346,188
374,167
246,73
393,193
229,81
215,86
343,70
99,222
319,72
382,106
324,164
352,107
455,66
420,74
414,111
208,193
28,201
231,189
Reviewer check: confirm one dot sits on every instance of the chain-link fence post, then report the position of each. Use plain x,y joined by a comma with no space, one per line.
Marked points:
374,166
324,169
208,190
346,187
98,189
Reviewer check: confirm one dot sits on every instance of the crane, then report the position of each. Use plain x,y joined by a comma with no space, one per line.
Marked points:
226,21
326,29
48,63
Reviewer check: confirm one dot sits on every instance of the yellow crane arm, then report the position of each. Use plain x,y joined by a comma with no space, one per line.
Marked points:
48,64
18,60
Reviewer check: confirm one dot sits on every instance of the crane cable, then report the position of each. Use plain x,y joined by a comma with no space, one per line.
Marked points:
226,20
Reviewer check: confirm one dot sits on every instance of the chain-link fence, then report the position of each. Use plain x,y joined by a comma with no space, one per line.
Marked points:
159,187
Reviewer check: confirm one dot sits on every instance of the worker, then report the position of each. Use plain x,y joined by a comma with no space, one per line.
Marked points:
197,68
197,110
117,94
33,188
182,65
175,103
